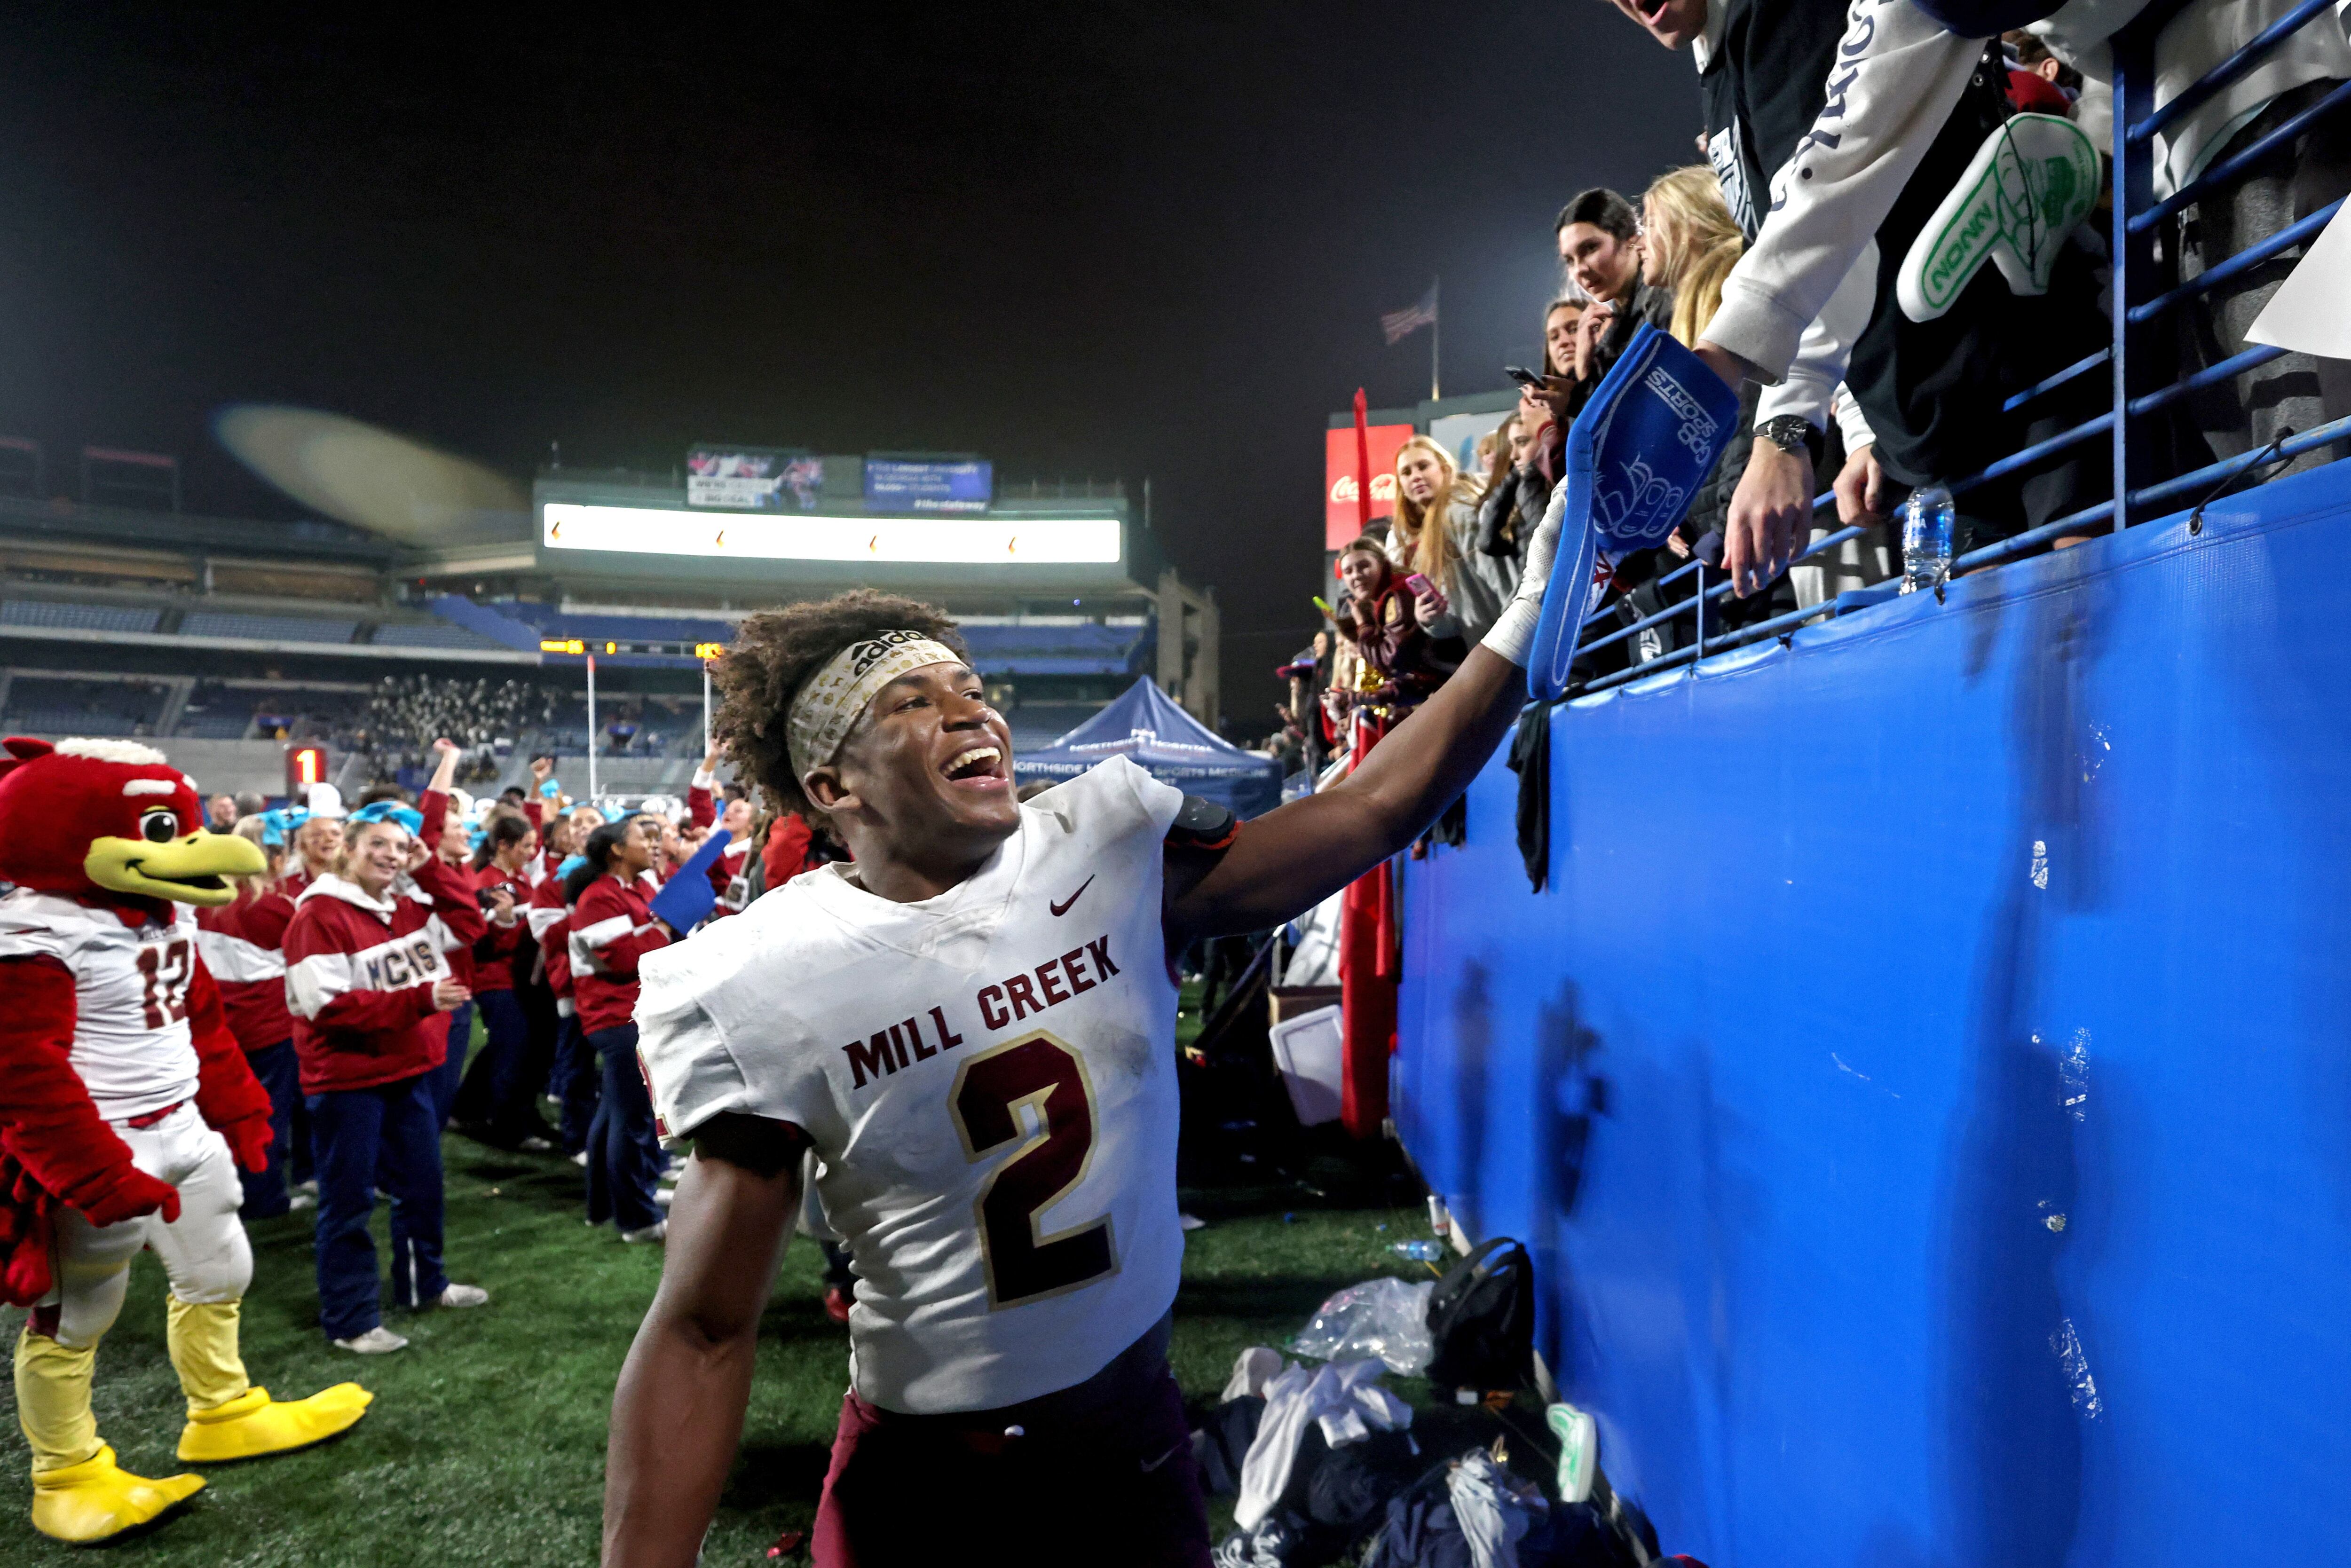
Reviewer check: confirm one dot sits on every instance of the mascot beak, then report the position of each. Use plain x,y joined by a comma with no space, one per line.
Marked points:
190,869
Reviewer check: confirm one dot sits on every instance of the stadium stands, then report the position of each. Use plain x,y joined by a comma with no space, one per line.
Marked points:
72,617
267,628
250,635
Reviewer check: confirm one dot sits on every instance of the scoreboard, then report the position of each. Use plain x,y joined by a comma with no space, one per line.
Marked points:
591,645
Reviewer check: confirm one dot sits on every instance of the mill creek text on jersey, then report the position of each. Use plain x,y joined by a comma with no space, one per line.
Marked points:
1011,999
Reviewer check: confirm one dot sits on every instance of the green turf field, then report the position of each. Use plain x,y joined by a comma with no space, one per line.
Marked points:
486,1440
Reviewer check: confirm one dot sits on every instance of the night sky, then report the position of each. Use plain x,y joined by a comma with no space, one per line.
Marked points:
1109,239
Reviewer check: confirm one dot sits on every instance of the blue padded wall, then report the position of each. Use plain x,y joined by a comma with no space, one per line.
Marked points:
1925,1084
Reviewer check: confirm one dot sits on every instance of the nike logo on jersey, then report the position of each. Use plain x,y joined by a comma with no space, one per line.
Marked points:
1064,907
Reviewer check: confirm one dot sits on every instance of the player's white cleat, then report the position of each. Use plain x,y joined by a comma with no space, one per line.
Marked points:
463,1296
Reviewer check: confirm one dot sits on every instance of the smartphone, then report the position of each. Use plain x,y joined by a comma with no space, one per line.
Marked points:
1417,583
1523,376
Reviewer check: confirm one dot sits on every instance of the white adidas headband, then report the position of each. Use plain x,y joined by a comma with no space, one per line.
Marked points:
827,707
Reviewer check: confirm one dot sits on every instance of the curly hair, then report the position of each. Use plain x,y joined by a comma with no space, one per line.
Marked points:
777,651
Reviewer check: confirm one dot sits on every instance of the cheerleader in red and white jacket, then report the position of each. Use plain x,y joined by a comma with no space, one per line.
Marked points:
497,1103
244,945
611,928
369,978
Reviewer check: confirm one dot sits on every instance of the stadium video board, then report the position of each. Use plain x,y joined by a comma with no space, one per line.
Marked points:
674,531
752,478
896,484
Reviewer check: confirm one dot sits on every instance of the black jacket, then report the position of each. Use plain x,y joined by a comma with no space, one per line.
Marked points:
1762,87
1511,512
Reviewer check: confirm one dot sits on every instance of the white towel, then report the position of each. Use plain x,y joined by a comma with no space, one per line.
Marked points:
1344,1397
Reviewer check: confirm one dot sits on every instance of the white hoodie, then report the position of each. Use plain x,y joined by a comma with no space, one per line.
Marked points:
1897,78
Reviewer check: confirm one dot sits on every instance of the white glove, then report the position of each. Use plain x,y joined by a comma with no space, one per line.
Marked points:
1512,634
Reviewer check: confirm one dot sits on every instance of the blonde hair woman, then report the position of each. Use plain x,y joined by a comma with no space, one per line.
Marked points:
1435,533
1690,242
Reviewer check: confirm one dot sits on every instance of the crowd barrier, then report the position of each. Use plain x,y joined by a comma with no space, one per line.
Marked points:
1924,1083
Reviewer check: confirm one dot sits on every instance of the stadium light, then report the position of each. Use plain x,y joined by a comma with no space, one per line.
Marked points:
661,530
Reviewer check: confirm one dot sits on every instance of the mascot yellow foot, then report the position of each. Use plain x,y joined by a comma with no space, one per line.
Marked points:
98,1499
253,1423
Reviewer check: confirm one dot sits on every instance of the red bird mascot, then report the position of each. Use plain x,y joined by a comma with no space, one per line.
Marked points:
125,1109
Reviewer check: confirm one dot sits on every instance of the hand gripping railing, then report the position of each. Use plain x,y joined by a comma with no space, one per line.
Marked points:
2136,308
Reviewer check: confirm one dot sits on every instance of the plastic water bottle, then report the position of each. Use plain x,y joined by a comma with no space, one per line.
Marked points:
1926,539
1418,1252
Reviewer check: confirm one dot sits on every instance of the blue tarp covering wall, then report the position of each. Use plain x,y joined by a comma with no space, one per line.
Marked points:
1925,1085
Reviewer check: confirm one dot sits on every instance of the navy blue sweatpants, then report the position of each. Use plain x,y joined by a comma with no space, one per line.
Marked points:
624,1155
388,1134
281,1076
445,1078
574,1083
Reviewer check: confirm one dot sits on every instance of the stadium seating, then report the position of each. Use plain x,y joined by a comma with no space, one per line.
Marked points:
265,628
45,705
408,634
78,617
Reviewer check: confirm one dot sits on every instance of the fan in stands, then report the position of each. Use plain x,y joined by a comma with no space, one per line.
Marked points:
126,1108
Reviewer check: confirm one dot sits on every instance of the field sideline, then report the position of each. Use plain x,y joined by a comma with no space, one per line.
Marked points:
486,1440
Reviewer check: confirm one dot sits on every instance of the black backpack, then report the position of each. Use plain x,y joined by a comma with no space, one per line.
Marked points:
1481,1320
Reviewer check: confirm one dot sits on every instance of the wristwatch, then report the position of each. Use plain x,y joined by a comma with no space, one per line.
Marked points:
1792,433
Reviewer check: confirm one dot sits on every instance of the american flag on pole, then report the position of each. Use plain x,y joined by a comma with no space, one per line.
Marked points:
1401,324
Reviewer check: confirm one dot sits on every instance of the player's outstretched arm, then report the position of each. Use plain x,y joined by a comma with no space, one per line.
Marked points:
1291,859
677,1415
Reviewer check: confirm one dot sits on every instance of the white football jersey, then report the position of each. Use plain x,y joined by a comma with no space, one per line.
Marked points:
989,1078
131,1044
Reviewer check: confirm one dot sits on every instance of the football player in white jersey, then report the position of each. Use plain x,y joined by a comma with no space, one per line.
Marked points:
972,1024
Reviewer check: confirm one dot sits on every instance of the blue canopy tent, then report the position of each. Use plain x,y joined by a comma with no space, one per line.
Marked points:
1166,742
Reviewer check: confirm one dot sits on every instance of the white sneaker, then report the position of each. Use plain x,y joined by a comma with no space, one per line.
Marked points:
310,1187
580,1159
463,1296
300,1201
1190,1222
658,1230
377,1340
665,1195
534,1145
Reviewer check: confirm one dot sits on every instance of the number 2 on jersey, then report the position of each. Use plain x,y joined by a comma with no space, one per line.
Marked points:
166,971
1040,1070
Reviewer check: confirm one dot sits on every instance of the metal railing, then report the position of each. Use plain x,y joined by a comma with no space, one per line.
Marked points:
2138,491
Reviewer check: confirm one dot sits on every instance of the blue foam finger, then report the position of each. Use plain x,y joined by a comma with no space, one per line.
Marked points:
686,899
1635,455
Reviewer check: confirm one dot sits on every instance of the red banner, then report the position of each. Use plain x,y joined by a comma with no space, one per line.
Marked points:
1340,523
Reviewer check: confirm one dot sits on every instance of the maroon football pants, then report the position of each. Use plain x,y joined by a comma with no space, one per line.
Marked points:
1110,1486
